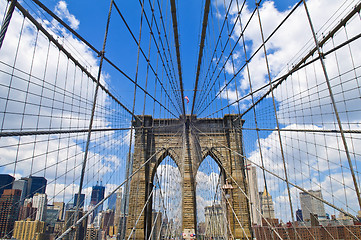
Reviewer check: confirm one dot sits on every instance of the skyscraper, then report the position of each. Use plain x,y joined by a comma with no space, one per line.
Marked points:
6,181
112,200
312,205
69,220
35,185
255,204
27,211
97,195
118,207
40,202
82,198
267,207
21,184
27,229
215,222
299,216
9,211
60,206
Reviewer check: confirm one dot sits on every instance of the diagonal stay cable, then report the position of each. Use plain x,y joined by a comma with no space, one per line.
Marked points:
103,200
342,23
283,179
90,46
200,53
71,228
252,56
209,86
144,55
60,47
276,82
176,40
171,72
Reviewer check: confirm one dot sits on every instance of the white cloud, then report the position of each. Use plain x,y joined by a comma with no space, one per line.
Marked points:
61,9
314,161
286,47
57,95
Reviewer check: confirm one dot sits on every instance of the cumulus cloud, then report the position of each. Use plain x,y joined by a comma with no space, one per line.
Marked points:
287,46
167,197
313,161
61,9
42,89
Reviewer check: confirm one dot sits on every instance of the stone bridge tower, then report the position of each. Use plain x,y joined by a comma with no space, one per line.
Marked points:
188,141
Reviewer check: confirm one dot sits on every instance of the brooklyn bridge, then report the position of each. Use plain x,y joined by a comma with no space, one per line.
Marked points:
165,119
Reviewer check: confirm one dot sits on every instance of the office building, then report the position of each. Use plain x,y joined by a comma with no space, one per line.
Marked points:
254,202
52,215
69,206
299,216
60,206
97,195
311,205
27,211
35,185
112,201
69,220
107,220
118,207
22,185
27,229
267,206
215,222
93,233
40,202
82,199
9,211
6,182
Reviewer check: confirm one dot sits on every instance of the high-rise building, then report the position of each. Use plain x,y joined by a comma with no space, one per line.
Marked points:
52,215
82,198
35,185
157,222
9,211
40,202
22,185
309,205
27,211
299,216
93,233
118,207
112,201
27,229
267,206
215,222
69,220
107,220
60,206
6,182
254,202
97,195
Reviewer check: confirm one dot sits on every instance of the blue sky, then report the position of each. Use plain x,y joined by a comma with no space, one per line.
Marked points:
89,19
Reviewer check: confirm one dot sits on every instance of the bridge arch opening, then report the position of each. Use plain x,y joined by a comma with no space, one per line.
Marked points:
167,200
211,207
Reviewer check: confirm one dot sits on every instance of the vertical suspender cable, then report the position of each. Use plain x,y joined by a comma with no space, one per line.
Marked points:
275,111
333,104
92,115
